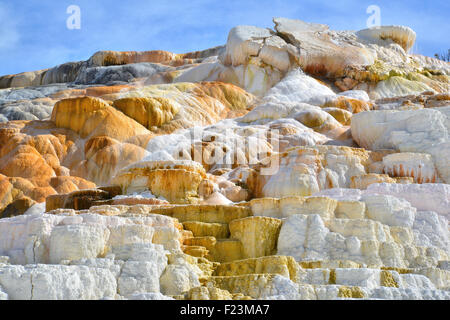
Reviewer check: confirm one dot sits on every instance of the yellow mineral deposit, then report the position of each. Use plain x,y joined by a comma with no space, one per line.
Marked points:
320,172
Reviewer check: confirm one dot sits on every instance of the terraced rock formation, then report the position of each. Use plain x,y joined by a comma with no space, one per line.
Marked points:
296,162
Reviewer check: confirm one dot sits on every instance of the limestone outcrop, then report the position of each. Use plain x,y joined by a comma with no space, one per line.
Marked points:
294,162
417,131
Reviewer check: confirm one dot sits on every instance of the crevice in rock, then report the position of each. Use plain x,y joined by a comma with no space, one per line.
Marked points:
118,277
32,286
34,252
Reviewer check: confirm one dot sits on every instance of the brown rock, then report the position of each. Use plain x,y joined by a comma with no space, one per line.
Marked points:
176,181
5,192
17,207
237,194
363,181
78,200
206,188
92,117
148,111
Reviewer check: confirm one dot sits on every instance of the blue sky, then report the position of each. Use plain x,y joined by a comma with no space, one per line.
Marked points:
33,33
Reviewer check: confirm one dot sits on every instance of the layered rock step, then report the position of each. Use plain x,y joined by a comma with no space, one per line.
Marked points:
293,163
321,283
225,233
378,244
248,271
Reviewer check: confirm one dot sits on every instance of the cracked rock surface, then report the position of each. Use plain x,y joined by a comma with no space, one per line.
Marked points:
294,162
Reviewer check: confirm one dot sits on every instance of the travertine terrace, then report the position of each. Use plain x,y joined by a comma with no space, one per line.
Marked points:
293,162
